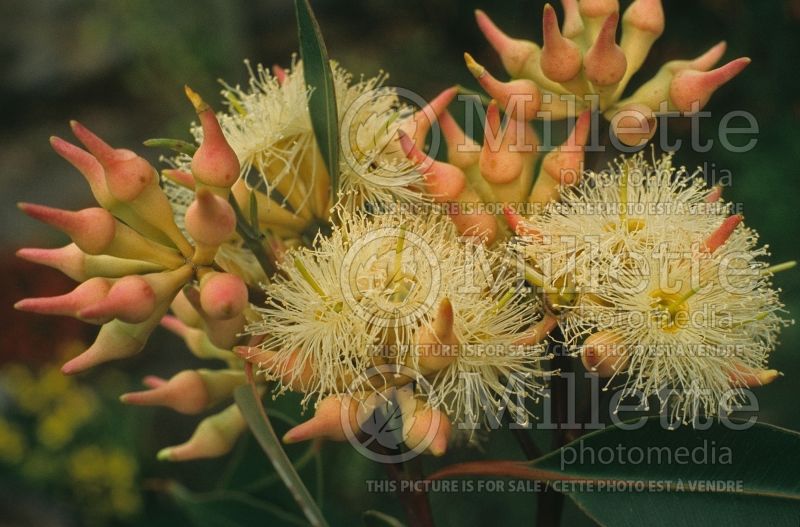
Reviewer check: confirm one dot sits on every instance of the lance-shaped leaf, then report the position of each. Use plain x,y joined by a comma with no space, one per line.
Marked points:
248,399
319,78
717,476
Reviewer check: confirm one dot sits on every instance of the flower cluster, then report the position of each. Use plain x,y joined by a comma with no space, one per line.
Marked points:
358,306
669,291
376,293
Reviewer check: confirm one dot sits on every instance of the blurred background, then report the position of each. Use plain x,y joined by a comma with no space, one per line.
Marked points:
69,453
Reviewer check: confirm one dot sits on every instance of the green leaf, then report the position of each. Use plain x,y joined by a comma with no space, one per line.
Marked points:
374,518
319,78
249,401
717,476
182,147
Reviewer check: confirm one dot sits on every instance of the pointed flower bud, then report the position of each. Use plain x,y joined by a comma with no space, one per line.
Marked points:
190,391
80,266
222,333
561,58
563,165
223,295
605,62
89,167
634,125
210,221
420,124
95,231
519,98
604,353
594,12
462,151
442,181
573,24
642,24
133,183
516,54
499,163
718,238
86,294
134,298
116,340
215,436
690,90
332,414
196,339
425,429
437,345
749,377
214,163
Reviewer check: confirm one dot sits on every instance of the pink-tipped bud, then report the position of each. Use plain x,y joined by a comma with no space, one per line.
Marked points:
515,53
707,60
188,392
210,220
215,436
443,182
134,299
519,98
462,151
88,166
605,62
91,229
279,73
95,231
565,164
500,163
715,194
718,238
598,8
130,299
573,24
79,266
185,393
222,333
425,429
645,15
116,340
420,124
480,225
223,295
518,224
86,294
746,376
604,354
196,339
690,90
561,58
127,174
634,124
437,345
214,163
331,416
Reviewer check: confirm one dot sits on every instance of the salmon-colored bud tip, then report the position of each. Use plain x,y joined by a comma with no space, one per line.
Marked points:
474,68
197,101
165,454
